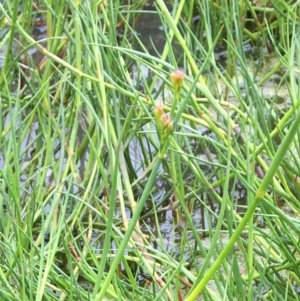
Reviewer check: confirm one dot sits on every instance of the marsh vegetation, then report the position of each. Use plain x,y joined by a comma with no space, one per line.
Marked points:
134,171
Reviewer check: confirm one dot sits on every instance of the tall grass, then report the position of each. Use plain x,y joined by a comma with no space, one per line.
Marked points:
93,124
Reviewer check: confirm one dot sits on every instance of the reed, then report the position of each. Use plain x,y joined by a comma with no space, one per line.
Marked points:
92,124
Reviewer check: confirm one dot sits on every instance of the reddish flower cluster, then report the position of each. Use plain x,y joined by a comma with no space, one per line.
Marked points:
163,121
177,78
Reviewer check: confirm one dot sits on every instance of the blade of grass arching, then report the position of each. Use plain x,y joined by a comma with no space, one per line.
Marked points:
183,205
233,283
57,218
48,157
137,237
226,204
170,280
108,235
110,140
180,194
126,183
236,285
130,230
168,45
218,71
47,53
11,175
250,198
287,246
236,128
77,103
9,51
199,174
179,37
56,20
210,123
72,250
8,292
282,149
78,53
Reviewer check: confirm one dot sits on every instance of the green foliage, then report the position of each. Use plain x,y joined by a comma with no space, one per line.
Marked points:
93,124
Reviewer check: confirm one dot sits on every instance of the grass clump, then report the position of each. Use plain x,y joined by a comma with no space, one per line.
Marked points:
169,175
